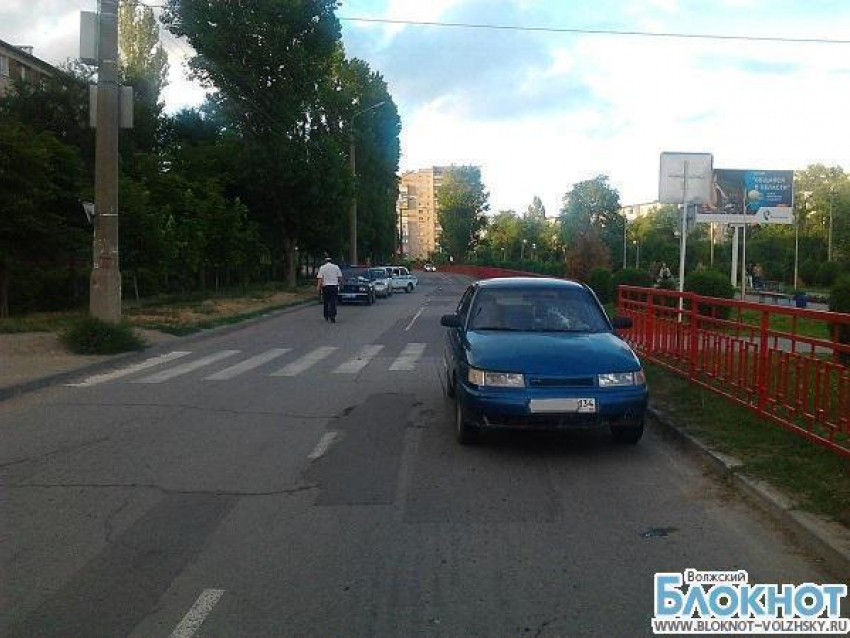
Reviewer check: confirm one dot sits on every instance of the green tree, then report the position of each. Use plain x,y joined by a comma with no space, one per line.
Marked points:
504,235
271,62
39,189
593,204
462,203
590,216
536,210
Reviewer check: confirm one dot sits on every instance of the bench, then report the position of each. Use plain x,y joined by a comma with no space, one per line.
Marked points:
772,297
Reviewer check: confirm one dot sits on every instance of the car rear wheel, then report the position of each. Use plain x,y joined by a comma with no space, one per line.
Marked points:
409,288
465,433
627,434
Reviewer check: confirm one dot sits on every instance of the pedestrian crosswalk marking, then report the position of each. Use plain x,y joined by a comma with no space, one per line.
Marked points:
306,362
248,364
185,368
363,359
124,372
409,357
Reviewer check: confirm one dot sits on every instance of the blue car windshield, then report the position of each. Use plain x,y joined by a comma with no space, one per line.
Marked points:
537,310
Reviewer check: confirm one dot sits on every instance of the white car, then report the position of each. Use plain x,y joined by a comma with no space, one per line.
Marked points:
402,279
429,267
382,281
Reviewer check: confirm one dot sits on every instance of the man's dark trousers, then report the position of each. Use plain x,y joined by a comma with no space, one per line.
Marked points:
329,301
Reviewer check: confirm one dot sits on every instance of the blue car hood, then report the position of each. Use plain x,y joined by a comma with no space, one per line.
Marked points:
557,354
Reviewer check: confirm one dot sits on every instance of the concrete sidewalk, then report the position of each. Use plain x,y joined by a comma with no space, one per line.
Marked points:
30,356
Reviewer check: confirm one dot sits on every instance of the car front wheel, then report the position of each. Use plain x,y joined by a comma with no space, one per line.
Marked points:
409,288
630,434
465,433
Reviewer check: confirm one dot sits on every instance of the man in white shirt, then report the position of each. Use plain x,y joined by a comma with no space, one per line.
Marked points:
329,279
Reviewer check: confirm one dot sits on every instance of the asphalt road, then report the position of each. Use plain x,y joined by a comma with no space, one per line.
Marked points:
301,478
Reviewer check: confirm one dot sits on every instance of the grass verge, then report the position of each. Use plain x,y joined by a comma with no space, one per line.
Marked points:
187,316
40,322
816,478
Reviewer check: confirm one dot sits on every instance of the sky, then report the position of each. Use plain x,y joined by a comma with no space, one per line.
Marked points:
539,112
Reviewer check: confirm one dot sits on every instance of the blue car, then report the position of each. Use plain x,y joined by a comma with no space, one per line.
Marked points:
528,353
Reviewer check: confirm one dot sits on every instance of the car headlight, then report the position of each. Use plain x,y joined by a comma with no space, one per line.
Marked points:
496,379
620,379
362,288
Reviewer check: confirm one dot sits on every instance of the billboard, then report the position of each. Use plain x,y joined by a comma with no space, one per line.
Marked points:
750,197
672,186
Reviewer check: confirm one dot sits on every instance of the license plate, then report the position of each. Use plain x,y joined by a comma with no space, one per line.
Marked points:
348,296
581,406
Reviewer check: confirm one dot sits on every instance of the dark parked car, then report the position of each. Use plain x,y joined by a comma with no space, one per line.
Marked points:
357,286
528,353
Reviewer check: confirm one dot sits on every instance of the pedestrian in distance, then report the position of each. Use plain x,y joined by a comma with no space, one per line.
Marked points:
328,281
664,273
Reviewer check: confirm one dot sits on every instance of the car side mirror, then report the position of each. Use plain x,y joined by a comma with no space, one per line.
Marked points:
622,323
451,321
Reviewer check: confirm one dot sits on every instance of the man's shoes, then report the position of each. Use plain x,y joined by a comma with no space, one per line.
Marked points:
333,319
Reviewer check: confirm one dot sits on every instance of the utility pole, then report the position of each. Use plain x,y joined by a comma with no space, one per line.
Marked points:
105,291
353,159
353,214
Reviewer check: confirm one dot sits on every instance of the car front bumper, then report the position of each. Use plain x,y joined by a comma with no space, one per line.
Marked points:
351,296
497,408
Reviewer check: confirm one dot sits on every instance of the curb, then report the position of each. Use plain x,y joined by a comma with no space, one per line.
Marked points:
12,391
830,541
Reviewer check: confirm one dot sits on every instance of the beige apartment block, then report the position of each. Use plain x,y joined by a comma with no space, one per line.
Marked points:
417,211
18,63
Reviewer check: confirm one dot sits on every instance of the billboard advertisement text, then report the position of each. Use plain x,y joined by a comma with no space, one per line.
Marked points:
750,197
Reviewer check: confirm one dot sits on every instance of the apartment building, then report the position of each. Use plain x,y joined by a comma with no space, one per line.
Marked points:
18,62
417,211
634,211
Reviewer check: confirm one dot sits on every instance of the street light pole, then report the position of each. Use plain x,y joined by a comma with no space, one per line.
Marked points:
353,160
625,232
522,250
829,237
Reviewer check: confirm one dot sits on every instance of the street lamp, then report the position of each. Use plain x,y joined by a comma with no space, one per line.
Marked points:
353,159
522,250
829,237
533,250
503,254
636,244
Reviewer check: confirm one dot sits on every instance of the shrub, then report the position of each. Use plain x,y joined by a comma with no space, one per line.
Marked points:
710,283
828,273
600,281
630,277
93,336
809,272
839,301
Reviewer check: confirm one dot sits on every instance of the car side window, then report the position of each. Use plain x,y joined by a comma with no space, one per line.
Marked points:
465,302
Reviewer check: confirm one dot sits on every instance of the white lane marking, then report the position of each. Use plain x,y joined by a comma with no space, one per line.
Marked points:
323,445
360,361
248,364
408,357
306,362
191,366
123,372
415,317
197,614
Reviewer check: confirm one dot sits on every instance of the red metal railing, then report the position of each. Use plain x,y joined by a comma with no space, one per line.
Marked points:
754,354
486,272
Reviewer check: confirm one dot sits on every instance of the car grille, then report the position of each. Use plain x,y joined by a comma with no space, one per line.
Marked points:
561,382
